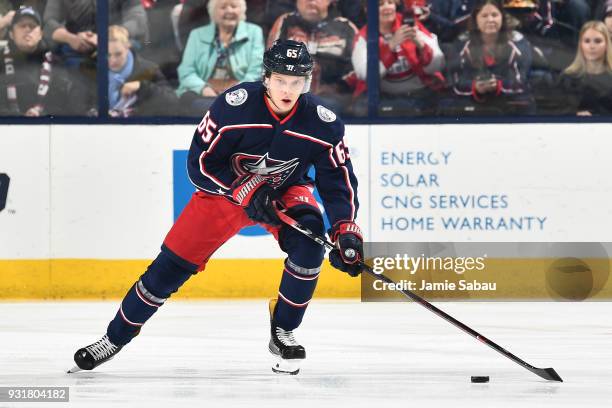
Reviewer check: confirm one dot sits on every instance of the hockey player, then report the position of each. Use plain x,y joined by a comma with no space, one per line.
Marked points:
250,153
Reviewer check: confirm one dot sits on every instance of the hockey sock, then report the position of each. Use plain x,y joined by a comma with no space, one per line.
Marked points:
301,273
295,292
162,278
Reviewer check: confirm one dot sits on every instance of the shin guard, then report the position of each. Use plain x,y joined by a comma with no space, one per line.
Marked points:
296,289
162,278
301,272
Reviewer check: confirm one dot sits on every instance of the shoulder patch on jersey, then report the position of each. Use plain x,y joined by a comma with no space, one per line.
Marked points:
325,114
237,97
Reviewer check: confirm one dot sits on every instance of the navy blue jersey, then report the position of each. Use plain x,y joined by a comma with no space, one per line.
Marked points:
240,134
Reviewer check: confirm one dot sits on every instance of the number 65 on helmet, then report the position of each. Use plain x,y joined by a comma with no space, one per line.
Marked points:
289,57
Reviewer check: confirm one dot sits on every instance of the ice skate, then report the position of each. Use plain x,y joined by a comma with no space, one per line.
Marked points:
288,353
88,358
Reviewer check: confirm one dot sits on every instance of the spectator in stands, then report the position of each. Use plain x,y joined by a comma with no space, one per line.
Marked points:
136,86
261,12
162,46
558,19
572,14
552,40
534,16
73,22
599,8
30,82
410,61
8,8
71,26
490,64
194,14
225,52
448,18
587,82
330,41
607,16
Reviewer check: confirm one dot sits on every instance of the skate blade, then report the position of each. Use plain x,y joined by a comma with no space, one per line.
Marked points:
286,367
74,369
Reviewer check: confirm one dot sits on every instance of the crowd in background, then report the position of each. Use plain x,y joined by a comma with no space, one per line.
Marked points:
436,57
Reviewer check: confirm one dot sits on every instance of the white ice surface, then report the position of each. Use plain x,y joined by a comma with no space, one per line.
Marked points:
214,354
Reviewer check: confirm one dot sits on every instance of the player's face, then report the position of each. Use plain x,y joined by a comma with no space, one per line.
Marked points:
26,34
313,10
284,91
593,45
489,20
117,55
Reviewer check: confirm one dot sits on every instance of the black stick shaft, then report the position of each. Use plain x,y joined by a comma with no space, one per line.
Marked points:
452,320
546,373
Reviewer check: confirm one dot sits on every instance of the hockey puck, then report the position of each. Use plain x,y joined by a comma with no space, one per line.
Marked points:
480,379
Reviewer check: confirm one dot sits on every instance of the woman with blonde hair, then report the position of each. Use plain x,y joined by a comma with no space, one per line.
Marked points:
219,55
587,82
136,86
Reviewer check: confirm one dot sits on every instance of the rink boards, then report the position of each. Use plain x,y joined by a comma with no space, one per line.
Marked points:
88,206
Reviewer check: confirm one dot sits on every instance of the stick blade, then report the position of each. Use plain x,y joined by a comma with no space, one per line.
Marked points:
548,374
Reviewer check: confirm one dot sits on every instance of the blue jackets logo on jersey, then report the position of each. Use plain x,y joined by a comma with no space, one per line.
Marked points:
277,171
183,190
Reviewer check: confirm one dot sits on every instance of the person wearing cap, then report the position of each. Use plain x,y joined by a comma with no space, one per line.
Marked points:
9,7
30,83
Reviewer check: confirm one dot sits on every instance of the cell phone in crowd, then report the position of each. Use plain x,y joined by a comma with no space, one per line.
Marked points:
408,19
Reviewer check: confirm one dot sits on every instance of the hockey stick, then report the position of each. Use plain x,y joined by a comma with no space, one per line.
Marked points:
546,373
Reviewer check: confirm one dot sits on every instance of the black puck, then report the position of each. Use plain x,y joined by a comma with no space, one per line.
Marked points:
480,378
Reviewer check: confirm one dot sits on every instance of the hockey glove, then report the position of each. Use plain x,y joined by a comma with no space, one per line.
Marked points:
255,195
349,252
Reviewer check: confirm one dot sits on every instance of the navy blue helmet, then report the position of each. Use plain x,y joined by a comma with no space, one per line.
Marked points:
288,57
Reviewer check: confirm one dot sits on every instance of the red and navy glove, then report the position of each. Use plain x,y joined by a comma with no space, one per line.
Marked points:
255,195
348,255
